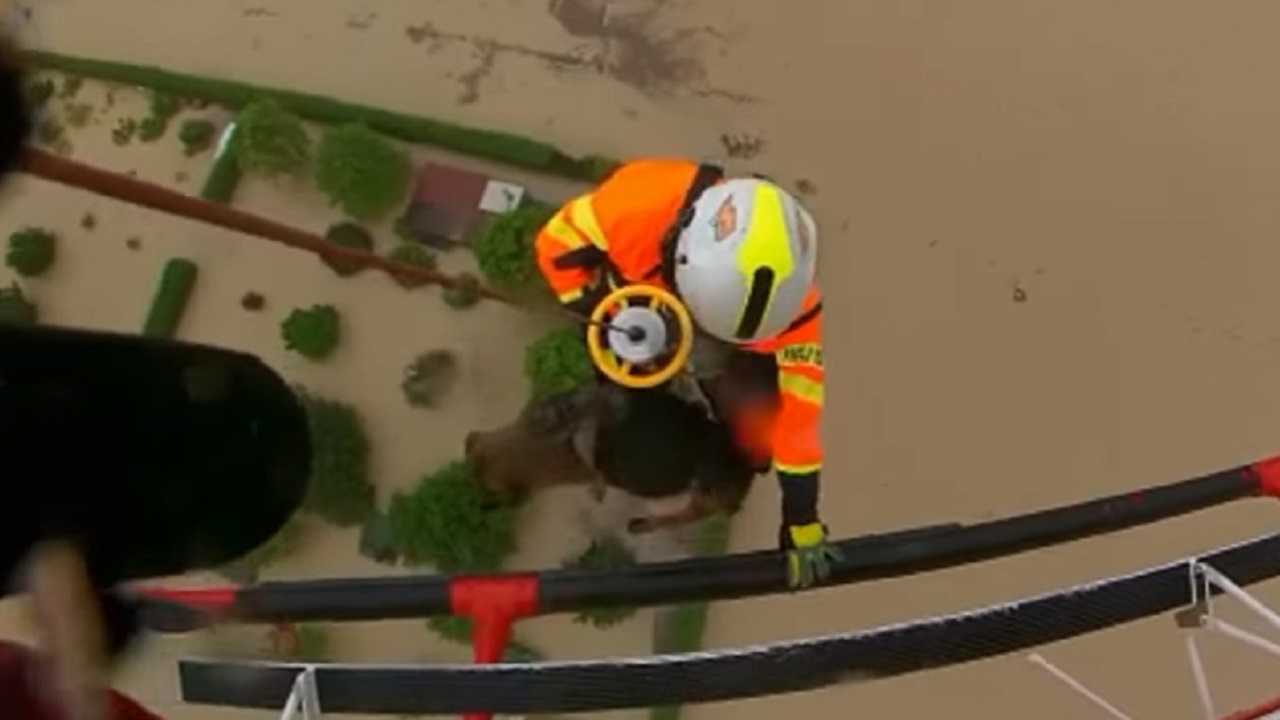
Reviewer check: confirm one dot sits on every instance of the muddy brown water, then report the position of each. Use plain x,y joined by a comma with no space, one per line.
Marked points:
1050,239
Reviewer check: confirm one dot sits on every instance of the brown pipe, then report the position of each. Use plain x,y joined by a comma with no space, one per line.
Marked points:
65,171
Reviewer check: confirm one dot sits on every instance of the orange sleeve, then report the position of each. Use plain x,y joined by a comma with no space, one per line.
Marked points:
575,227
797,442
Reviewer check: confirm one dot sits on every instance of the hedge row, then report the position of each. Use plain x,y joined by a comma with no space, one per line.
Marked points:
224,173
688,624
170,299
502,147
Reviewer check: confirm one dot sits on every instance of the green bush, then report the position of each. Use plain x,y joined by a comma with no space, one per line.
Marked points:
362,172
558,361
197,135
444,522
246,569
603,555
339,489
347,235
170,300
271,140
413,253
161,108
16,308
311,332
31,251
376,543
504,247
224,174
464,293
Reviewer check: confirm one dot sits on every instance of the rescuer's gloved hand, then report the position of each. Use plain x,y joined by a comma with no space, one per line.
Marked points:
809,554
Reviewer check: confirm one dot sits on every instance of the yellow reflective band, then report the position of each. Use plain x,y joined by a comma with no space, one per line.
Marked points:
564,233
801,354
568,297
802,387
583,217
797,469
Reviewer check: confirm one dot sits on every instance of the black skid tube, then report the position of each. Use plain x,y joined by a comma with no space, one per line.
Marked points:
745,575
785,667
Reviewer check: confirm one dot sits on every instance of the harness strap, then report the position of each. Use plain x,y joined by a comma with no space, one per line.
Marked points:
706,176
805,318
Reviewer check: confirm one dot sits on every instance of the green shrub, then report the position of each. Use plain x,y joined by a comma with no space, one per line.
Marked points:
151,129
170,300
124,131
413,253
247,568
161,108
224,174
38,92
504,247
347,235
558,361
603,555
376,543
464,293
444,522
362,172
16,308
311,332
429,377
339,489
31,251
271,140
197,135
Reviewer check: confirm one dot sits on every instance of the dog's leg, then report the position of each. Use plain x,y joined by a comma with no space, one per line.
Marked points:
663,514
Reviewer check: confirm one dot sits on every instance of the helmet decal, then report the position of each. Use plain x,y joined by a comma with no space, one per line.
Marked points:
726,219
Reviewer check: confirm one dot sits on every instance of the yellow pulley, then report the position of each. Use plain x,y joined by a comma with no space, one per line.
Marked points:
640,336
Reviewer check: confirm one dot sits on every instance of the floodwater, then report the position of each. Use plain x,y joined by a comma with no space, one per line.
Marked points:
1049,233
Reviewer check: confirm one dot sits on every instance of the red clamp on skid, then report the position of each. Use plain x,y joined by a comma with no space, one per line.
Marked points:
493,604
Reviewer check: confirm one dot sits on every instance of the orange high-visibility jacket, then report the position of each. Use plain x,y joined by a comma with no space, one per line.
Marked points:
624,221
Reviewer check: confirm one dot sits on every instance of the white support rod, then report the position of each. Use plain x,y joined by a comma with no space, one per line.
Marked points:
1237,592
291,704
1244,636
310,695
1201,678
1078,686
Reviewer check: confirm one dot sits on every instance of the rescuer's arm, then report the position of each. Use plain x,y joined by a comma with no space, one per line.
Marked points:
571,249
798,463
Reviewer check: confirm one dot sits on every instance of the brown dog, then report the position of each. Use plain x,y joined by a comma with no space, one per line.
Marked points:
649,443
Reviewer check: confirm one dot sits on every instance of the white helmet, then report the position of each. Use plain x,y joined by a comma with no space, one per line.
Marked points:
745,262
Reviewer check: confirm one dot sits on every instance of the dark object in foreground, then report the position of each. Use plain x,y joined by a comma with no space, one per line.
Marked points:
154,457
15,119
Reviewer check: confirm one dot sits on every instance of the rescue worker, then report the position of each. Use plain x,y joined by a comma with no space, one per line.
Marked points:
741,254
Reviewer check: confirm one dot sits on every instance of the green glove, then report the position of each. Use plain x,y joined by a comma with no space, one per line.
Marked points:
809,555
